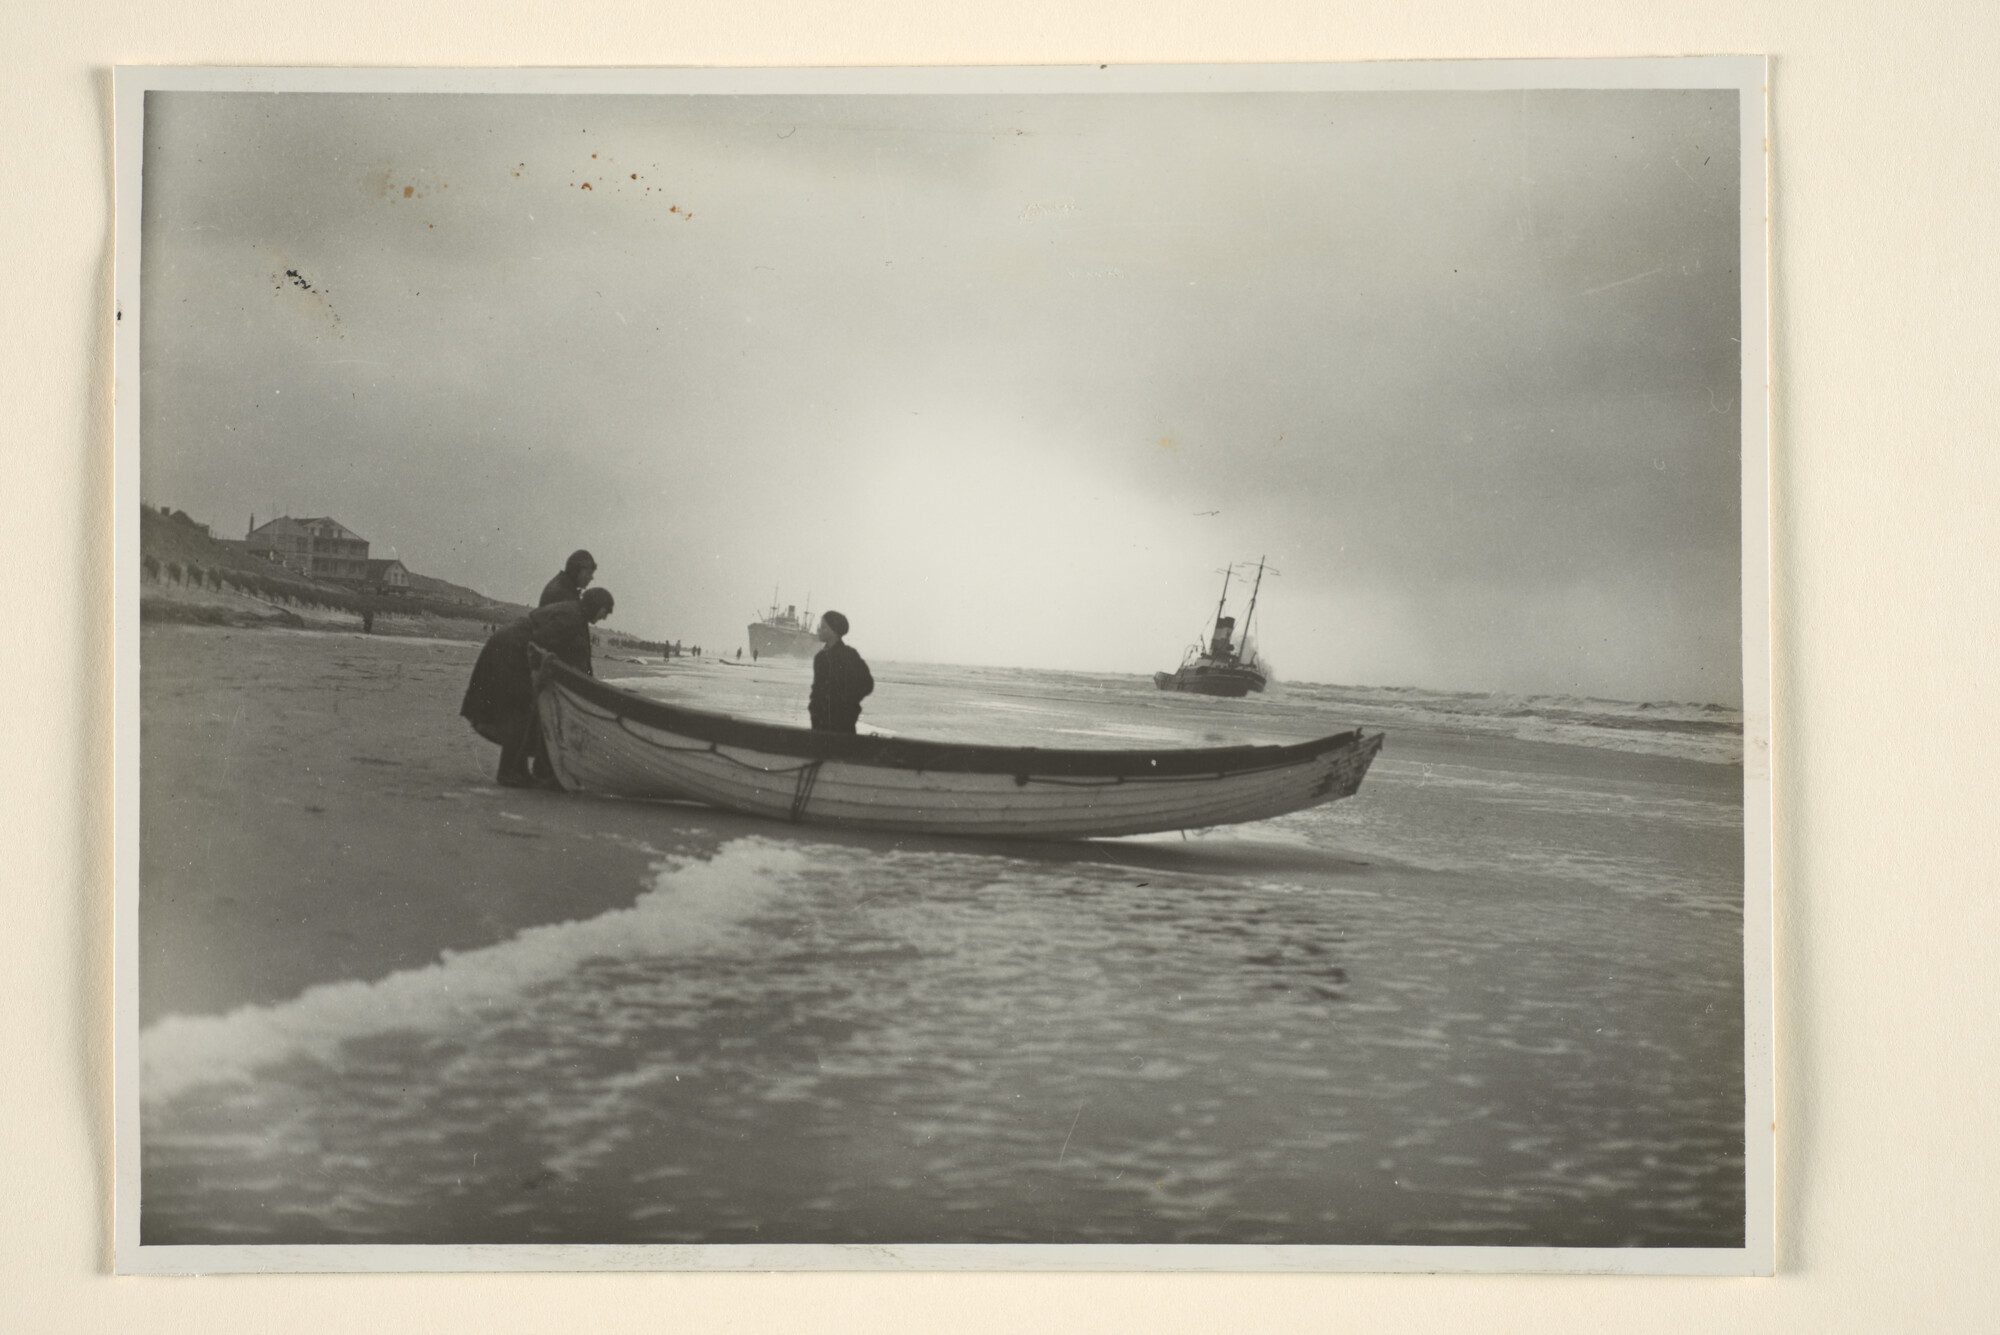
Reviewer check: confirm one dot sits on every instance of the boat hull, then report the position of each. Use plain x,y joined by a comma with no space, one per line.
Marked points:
1232,681
768,641
605,740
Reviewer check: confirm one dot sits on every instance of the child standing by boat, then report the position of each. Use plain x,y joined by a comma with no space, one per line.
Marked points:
841,679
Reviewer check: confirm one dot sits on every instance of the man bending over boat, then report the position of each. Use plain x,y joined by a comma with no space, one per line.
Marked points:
571,580
841,679
500,699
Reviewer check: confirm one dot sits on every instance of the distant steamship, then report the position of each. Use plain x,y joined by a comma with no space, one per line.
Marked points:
783,634
1224,666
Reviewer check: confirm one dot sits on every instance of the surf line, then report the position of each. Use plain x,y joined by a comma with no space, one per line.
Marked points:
694,906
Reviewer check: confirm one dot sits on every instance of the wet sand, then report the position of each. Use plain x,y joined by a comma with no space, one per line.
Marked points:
313,809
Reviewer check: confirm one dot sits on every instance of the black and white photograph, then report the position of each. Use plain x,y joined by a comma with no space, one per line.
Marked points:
1062,668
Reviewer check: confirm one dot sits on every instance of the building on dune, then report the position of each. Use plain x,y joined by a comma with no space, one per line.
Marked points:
390,576
319,548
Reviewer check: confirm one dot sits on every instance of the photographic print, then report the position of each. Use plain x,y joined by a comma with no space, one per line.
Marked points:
1063,668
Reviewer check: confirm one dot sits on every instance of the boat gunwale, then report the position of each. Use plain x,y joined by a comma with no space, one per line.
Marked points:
905,753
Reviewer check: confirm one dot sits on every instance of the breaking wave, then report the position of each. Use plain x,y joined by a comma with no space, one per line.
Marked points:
692,906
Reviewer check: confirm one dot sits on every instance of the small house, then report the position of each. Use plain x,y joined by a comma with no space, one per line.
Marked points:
390,576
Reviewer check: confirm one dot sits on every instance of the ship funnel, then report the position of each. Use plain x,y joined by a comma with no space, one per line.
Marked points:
1219,646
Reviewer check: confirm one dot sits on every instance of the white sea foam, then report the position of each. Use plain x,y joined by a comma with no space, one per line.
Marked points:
693,906
1712,733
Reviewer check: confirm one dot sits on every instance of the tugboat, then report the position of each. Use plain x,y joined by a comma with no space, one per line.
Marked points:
1224,666
784,634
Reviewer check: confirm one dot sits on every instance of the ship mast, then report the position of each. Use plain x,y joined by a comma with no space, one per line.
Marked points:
1243,645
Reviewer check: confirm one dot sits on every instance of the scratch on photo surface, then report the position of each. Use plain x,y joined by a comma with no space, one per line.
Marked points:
1621,282
1072,1131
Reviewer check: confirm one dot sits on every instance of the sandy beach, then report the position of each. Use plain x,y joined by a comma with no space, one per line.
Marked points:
314,809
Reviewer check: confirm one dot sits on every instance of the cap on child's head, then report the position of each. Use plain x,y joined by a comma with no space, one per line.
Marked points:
596,598
835,620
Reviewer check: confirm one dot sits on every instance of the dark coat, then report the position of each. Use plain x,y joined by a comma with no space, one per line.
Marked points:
563,588
841,681
502,690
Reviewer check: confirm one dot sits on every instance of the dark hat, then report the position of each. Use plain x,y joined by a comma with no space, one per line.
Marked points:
836,620
579,558
596,598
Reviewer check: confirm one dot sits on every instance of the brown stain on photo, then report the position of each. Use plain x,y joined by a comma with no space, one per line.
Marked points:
381,184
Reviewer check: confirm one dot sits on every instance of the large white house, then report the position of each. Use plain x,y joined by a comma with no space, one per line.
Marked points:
321,548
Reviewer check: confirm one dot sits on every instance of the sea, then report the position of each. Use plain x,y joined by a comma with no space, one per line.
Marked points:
1495,998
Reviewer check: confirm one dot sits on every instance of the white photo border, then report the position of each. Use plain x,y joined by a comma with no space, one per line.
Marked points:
1746,75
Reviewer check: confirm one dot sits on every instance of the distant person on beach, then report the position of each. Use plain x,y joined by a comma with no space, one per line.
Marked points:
500,698
841,680
571,580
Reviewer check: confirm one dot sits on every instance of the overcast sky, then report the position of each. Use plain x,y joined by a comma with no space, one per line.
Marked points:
1005,379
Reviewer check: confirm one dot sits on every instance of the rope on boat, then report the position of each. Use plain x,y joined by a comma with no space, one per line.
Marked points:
807,778
711,748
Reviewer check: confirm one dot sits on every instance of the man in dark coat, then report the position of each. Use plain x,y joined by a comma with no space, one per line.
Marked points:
841,679
571,580
500,699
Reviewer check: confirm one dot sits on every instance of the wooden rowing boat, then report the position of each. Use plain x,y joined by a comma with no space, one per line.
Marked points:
606,740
